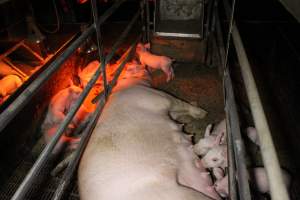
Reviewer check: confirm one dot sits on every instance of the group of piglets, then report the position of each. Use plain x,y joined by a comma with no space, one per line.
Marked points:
65,99
213,152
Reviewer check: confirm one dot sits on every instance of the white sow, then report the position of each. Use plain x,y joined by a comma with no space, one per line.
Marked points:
137,152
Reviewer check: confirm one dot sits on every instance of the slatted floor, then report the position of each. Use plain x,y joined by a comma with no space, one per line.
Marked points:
44,188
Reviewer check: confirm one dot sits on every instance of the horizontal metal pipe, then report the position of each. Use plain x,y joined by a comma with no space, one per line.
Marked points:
44,156
270,159
15,107
65,181
117,45
99,44
8,114
122,37
67,177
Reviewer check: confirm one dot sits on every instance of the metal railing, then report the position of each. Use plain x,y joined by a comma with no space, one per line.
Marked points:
24,98
278,189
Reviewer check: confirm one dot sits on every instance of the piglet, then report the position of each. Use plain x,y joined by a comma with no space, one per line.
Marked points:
252,135
87,72
154,61
221,186
9,84
259,177
191,172
211,138
59,106
216,157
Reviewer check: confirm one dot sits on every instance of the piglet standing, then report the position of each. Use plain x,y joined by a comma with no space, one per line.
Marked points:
154,61
9,84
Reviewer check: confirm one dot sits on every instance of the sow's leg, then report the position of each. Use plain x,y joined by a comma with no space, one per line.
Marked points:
184,112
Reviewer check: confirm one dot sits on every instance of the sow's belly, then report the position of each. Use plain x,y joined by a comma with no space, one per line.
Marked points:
132,153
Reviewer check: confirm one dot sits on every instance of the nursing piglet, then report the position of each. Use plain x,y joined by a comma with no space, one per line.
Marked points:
211,138
216,157
221,186
9,84
154,61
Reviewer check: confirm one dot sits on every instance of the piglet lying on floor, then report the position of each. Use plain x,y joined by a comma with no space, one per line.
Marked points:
59,106
136,152
9,84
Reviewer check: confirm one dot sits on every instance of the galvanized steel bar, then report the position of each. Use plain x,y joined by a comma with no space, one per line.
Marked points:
7,115
122,37
99,44
232,161
148,21
44,156
15,107
142,6
278,189
235,141
67,177
72,166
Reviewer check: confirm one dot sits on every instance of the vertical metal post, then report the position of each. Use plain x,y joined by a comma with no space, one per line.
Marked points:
99,44
148,21
271,163
142,5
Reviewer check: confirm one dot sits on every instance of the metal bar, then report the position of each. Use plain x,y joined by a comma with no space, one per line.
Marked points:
270,159
9,51
231,162
142,6
99,44
231,157
44,156
7,115
148,21
20,72
122,37
67,177
33,53
234,137
117,44
109,12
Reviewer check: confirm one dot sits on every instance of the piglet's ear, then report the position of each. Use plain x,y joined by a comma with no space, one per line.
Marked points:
208,130
220,138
